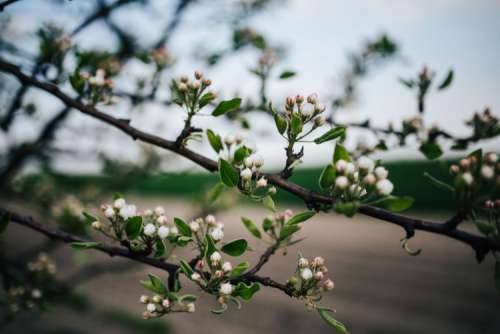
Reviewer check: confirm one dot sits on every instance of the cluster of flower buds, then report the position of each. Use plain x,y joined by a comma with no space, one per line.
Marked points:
43,264
161,57
277,226
484,125
310,111
309,281
192,93
157,306
98,87
477,172
355,180
200,227
24,297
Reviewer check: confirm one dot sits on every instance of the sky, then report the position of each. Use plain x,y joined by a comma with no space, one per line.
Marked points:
442,34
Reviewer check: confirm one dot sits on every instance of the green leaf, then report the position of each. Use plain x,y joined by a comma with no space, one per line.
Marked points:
89,219
246,292
267,224
77,82
182,241
133,228
209,247
326,315
438,183
301,217
214,141
431,150
407,83
251,227
215,192
117,196
327,177
349,209
296,124
187,298
287,74
186,268
155,284
394,203
4,222
330,135
288,230
235,248
497,276
447,81
228,174
183,227
340,153
239,269
227,106
478,154
280,123
240,154
269,203
85,245
206,99
159,248
484,227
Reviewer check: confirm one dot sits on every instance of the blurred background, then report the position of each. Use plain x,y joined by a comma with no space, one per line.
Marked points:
55,162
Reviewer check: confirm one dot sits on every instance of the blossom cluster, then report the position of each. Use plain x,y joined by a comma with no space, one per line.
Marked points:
305,110
477,171
158,305
309,280
96,88
192,94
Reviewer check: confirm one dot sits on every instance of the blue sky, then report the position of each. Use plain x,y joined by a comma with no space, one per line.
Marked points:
463,35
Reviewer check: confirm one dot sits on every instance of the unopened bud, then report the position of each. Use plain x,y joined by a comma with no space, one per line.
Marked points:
198,75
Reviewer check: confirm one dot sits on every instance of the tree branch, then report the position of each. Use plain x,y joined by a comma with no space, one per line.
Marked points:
6,3
481,245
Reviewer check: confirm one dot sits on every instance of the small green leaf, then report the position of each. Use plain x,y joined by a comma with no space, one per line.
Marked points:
340,153
187,298
4,221
215,192
117,196
267,224
326,315
288,230
330,135
239,269
287,74
182,241
240,154
159,248
227,106
327,177
447,81
301,217
183,227
186,268
89,219
269,203
297,124
228,174
85,245
235,248
246,292
478,154
438,184
251,227
206,99
155,284
394,203
133,228
407,83
214,141
77,82
484,227
431,150
209,247
280,123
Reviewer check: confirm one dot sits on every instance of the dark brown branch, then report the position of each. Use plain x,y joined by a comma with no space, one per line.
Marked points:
6,3
481,245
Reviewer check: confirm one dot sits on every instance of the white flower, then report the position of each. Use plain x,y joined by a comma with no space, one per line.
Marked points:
248,162
313,98
128,211
246,174
350,168
491,157
306,274
487,172
262,182
366,164
303,262
148,213
341,165
151,307
190,307
109,212
119,203
328,285
381,173
341,182
319,107
385,187
468,179
227,267
159,210
174,230
163,232
258,161
369,179
144,299
226,288
210,220
217,234
194,226
36,293
195,277
229,140
149,230
215,257
319,261
306,112
162,220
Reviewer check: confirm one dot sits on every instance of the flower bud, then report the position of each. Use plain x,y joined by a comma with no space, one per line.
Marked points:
163,232
195,277
159,210
207,82
210,220
341,182
162,220
319,108
340,165
151,307
215,257
200,264
157,299
262,182
184,79
272,190
227,267
96,225
487,172
149,230
229,140
366,164
190,308
491,158
194,85
109,212
454,169
303,262
226,288
489,204
312,99
248,162
144,299
218,274
217,234
464,164
194,226
320,120
328,285
289,101
318,262
468,178
182,87
369,179
381,173
166,303
198,75
299,99
146,315
119,203
318,276
384,187
306,274
246,174
258,161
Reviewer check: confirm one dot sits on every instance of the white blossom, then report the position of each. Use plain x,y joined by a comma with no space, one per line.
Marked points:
303,262
262,182
151,307
369,179
341,182
190,307
215,257
128,211
162,220
227,267
246,174
149,230
163,232
109,212
119,203
350,168
226,288
36,293
210,220
487,172
306,274
144,299
159,210
328,285
174,230
258,161
381,173
229,140
366,164
194,226
217,234
96,225
341,165
385,187
248,162
195,277
468,178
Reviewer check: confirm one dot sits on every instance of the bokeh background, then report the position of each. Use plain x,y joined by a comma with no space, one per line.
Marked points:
379,288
